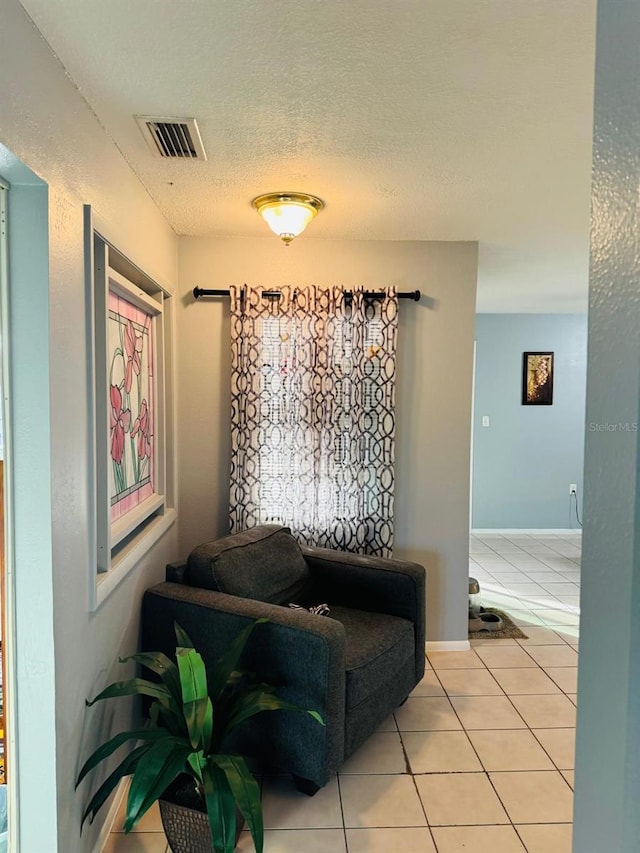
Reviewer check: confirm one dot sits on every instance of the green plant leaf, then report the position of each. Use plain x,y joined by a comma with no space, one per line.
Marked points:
236,675
162,665
257,700
184,729
196,762
173,720
246,792
155,771
221,808
195,699
125,768
182,638
207,726
111,745
316,716
227,663
134,687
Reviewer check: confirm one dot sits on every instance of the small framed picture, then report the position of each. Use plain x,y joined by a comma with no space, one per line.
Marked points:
537,379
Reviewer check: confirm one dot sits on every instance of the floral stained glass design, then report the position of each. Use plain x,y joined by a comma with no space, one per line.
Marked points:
131,405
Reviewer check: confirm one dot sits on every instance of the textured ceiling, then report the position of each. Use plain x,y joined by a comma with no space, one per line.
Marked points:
412,119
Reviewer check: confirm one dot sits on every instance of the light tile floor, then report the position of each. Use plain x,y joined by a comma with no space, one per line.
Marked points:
481,754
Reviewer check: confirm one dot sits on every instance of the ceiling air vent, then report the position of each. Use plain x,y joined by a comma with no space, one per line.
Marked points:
175,138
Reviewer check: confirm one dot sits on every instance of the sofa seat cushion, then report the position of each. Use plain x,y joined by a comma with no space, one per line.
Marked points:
264,563
377,646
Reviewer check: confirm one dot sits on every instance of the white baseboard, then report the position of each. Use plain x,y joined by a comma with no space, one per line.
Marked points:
447,646
107,826
543,531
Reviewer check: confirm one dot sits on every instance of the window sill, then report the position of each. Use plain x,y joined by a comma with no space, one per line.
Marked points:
121,568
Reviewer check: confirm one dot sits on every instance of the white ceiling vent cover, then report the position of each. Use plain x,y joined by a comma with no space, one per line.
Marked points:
174,138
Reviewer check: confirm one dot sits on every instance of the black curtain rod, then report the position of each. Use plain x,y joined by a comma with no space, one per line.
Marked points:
414,295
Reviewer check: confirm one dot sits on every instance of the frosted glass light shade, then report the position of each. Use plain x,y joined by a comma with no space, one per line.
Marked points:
287,214
287,220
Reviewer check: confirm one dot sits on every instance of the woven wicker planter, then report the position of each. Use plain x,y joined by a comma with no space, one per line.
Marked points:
188,830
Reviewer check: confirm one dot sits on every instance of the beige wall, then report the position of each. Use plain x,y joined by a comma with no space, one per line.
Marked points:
433,401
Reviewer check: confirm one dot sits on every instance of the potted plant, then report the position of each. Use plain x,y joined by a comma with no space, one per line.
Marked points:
180,754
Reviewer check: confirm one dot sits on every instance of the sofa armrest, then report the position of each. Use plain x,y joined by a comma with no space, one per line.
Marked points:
376,584
174,572
301,653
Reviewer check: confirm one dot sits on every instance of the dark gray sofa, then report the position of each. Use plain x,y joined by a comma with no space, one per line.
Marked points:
354,666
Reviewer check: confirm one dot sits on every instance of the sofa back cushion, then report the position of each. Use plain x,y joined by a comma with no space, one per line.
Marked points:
264,563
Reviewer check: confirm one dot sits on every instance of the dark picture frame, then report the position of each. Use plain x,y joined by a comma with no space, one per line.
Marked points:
537,378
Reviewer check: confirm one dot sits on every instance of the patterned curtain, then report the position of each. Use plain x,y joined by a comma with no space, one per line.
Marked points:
313,415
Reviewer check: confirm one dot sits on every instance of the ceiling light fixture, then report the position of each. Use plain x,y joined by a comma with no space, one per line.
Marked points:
287,214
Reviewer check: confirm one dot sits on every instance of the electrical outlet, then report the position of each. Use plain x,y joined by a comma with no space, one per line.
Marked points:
573,489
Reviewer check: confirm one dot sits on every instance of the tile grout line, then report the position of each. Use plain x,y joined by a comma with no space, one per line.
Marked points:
344,824
415,785
484,770
539,667
529,728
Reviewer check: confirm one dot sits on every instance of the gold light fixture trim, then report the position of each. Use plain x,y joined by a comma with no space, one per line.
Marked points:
287,214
